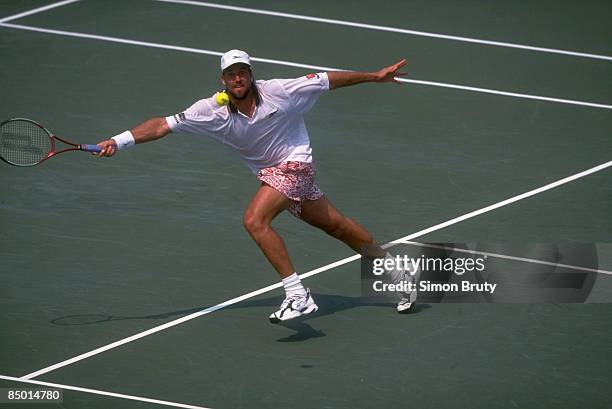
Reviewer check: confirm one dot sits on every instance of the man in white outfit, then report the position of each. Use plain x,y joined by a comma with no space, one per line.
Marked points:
264,124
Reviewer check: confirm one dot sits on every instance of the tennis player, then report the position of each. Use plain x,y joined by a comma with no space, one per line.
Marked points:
263,122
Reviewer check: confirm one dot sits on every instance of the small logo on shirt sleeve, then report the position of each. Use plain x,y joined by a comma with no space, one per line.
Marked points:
311,76
179,117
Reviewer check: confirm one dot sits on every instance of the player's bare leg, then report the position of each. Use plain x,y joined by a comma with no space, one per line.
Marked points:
264,207
322,214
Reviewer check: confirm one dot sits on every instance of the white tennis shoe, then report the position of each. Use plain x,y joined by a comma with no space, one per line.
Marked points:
408,298
294,306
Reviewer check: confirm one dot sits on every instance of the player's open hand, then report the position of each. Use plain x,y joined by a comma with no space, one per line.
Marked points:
389,74
109,148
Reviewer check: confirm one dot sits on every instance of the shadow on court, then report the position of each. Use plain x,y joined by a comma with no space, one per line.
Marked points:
328,305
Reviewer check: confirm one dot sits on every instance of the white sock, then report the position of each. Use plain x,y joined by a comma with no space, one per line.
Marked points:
293,286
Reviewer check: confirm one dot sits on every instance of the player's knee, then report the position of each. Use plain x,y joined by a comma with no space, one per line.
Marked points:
253,224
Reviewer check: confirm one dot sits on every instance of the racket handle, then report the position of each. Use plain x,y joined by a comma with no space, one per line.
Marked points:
90,148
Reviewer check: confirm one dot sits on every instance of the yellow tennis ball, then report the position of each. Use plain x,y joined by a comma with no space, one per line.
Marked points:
222,98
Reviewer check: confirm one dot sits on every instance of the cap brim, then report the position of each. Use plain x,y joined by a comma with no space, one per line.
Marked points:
234,63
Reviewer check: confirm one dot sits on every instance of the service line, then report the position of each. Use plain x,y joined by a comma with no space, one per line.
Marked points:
388,29
299,65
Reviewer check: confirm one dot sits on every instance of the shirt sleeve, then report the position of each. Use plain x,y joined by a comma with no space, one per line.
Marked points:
196,119
304,91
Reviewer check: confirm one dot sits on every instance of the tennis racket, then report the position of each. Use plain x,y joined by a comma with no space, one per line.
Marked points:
24,142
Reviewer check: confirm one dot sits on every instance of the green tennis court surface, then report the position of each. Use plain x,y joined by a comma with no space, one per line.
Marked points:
96,251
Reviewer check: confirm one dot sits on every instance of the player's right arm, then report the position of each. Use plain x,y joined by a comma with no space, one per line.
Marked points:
147,131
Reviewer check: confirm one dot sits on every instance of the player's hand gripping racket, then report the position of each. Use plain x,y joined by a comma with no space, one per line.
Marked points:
24,142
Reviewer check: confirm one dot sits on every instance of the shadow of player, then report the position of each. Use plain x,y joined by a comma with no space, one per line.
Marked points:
329,304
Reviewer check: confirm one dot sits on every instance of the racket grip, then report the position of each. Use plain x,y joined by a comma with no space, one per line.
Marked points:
90,148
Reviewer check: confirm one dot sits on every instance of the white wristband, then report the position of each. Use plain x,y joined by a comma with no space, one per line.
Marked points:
124,140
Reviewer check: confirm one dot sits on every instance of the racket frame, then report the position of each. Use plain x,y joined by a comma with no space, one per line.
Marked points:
52,137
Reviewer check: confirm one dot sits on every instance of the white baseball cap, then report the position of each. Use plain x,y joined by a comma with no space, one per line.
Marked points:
234,57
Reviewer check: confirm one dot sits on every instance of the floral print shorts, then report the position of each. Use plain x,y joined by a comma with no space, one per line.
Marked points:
296,180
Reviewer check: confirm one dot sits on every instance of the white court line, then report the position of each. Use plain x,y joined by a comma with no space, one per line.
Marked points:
103,393
298,65
153,330
505,202
388,29
508,257
314,272
506,93
37,10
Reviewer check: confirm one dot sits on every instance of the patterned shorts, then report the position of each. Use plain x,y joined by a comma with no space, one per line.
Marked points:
295,180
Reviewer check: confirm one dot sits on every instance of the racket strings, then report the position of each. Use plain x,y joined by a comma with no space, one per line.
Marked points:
24,143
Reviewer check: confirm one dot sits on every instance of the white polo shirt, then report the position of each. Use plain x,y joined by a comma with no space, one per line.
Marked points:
276,133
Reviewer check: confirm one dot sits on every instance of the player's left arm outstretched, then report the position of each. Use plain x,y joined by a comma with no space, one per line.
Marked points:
338,79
